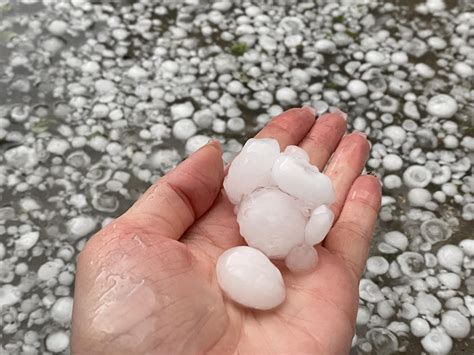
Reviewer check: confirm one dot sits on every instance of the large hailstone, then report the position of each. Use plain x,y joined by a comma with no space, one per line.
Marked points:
249,278
251,168
271,221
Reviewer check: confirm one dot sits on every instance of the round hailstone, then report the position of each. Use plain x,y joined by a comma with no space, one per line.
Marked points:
236,124
419,327
443,106
396,239
137,73
435,230
196,142
392,182
417,176
325,46
58,27
204,118
21,157
375,57
80,226
450,280
450,257
271,221
318,225
182,110
463,70
103,86
286,96
57,146
248,277
383,340
357,88
9,295
467,245
412,264
369,291
48,271
399,58
57,342
377,265
455,324
392,162
184,129
418,197
301,259
396,134
27,240
437,342
268,43
302,180
251,168
61,311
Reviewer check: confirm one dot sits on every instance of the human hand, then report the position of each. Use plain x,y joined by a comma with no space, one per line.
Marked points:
146,283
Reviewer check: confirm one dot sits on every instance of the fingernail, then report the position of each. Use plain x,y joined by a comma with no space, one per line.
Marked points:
341,114
312,109
362,134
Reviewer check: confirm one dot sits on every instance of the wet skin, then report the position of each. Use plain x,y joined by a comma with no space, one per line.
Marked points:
146,283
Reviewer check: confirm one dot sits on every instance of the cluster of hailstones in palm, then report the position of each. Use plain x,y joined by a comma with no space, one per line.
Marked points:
281,203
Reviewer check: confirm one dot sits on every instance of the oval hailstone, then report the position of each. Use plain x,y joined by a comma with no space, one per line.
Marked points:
443,106
302,180
251,168
272,222
248,277
27,240
302,258
318,226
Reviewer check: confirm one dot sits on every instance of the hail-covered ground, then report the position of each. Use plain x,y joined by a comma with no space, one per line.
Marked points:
99,100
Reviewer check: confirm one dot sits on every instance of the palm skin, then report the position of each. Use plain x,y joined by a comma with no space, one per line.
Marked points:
146,283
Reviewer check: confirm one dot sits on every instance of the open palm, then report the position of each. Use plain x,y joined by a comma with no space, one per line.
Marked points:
146,283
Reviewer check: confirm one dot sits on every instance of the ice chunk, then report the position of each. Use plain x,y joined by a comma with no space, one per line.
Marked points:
251,168
318,225
302,180
249,278
296,152
272,222
302,258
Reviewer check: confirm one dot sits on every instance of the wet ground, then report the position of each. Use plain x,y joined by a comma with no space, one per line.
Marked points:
72,150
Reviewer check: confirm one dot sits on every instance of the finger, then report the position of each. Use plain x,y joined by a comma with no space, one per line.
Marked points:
351,236
290,127
172,204
346,165
323,138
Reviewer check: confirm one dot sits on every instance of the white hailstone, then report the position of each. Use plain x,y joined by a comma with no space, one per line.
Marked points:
48,270
375,58
437,342
399,58
57,342
286,96
204,118
467,245
396,134
80,226
103,86
396,239
450,257
100,110
58,27
450,142
427,304
302,180
236,124
417,176
235,87
435,5
363,315
301,259
61,311
184,129
385,309
137,73
463,69
318,225
251,169
392,162
9,295
165,159
425,70
21,157
442,106
182,110
377,265
196,142
27,240
57,146
325,46
357,88
392,182
418,197
248,277
450,280
219,126
455,324
369,291
268,43
90,67
419,327
120,34
271,221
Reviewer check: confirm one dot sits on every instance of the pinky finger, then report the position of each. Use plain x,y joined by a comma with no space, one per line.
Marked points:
351,236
